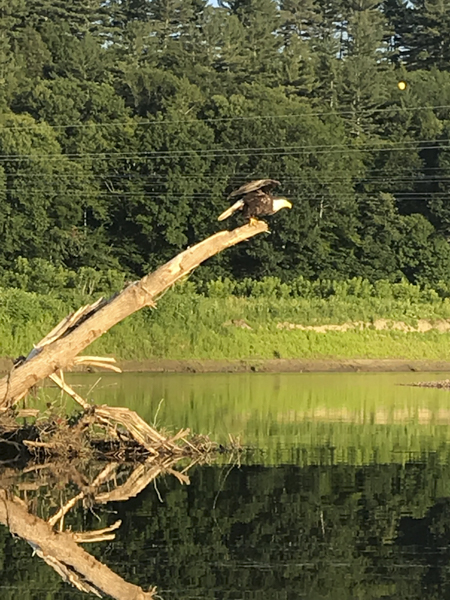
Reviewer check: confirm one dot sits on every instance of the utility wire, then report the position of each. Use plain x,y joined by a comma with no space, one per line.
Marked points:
155,122
232,153
425,196
319,177
372,146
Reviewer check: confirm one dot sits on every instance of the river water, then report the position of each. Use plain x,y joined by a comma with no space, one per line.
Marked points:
342,491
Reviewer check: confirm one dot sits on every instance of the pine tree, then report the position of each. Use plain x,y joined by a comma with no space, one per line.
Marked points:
79,16
313,44
363,85
227,53
398,14
327,39
427,37
298,59
260,20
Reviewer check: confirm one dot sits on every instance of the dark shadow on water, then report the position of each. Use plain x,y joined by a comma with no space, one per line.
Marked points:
338,531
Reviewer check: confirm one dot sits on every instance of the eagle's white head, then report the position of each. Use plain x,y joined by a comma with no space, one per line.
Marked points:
279,203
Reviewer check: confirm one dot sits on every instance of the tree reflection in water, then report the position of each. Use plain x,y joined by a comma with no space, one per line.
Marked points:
335,531
42,488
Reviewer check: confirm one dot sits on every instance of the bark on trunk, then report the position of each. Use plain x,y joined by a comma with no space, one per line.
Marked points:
60,353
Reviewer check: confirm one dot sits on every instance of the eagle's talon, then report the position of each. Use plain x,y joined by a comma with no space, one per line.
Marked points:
253,221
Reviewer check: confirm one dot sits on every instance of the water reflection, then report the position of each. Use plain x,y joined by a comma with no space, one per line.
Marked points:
288,532
257,532
344,494
37,506
293,417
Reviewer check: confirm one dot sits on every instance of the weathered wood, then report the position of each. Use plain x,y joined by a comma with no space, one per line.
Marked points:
60,352
110,416
61,552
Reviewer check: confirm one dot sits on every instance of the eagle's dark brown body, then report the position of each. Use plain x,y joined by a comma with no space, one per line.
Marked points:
257,204
255,200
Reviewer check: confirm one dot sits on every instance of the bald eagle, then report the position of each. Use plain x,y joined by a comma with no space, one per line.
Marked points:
255,200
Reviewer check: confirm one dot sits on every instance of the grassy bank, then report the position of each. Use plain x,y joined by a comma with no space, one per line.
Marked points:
222,322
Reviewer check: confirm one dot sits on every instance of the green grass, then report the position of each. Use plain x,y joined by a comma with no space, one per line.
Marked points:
189,325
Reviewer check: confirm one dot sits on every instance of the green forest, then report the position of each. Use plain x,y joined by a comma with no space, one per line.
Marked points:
125,123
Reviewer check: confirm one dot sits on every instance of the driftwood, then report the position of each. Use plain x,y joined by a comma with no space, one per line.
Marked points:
59,349
103,432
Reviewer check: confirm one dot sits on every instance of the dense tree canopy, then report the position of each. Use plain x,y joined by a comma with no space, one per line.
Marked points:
124,123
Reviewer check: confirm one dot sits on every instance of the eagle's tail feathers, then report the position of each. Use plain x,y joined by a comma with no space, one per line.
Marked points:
233,208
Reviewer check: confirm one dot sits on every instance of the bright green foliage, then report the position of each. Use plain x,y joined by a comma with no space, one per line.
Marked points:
37,218
206,321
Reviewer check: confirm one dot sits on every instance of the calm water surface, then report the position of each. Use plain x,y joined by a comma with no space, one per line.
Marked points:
344,492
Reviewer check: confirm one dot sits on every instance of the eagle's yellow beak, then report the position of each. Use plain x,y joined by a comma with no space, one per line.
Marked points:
279,203
284,203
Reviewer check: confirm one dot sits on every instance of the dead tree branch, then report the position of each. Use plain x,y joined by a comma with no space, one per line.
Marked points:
60,347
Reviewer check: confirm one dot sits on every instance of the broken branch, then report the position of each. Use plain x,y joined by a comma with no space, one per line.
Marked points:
60,347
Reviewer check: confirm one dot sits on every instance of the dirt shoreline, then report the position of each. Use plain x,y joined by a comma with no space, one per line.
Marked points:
279,365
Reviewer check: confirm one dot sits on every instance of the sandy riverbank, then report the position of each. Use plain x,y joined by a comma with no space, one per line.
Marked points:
279,365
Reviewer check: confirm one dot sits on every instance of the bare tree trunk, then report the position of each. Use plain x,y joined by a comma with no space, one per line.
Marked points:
61,352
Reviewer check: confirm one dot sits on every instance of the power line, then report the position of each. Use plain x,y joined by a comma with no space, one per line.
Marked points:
208,196
371,145
157,178
154,122
135,175
235,152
